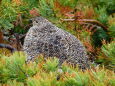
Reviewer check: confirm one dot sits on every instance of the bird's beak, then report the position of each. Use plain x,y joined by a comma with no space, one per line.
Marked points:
30,20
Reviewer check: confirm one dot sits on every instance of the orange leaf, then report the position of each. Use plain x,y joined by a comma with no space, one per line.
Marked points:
18,2
34,12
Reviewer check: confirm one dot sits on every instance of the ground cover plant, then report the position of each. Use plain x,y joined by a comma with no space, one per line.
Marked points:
14,72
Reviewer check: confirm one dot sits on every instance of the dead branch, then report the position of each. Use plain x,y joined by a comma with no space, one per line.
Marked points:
87,21
9,47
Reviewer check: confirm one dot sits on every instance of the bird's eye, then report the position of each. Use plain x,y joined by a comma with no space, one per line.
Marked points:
36,21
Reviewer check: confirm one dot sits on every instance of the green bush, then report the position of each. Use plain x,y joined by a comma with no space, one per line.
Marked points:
102,15
51,65
99,36
67,3
14,72
14,67
112,30
109,51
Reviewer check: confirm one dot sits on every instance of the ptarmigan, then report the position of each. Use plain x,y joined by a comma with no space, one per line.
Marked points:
47,39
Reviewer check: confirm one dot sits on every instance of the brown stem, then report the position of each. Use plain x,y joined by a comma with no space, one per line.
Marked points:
0,1
88,21
1,37
94,22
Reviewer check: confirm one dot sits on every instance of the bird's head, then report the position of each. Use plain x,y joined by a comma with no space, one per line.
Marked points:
38,21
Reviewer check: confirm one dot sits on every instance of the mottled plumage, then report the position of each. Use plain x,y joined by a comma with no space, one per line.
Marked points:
47,39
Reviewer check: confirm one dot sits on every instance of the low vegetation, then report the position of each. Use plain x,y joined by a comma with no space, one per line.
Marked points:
14,72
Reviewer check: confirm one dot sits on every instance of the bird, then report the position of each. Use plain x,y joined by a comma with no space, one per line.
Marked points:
47,39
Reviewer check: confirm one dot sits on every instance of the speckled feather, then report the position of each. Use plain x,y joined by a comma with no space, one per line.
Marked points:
47,39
